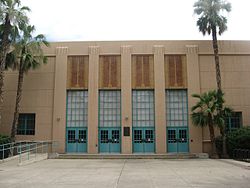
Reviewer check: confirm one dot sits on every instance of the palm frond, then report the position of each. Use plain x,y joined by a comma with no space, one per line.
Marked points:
210,15
209,109
11,61
29,50
199,119
196,96
25,8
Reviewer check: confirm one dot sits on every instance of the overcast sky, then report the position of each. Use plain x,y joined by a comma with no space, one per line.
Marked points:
103,20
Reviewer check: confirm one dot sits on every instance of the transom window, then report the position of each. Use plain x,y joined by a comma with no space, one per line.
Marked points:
143,108
77,108
26,124
177,110
109,108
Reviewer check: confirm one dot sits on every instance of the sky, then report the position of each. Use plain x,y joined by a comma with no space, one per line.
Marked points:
109,20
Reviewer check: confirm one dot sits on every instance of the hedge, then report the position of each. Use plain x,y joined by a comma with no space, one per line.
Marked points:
4,140
237,139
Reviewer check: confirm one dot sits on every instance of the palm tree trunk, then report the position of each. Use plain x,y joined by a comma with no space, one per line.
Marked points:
216,58
4,50
212,138
18,99
218,80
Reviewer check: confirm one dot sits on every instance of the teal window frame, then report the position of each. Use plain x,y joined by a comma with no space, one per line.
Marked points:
26,124
143,108
176,108
77,108
110,108
234,122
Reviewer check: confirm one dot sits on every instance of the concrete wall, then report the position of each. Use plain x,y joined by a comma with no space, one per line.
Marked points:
45,89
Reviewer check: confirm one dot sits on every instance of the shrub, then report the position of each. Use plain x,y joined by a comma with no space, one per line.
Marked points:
4,153
4,139
238,139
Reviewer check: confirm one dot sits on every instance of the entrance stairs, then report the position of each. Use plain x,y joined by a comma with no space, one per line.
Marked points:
133,156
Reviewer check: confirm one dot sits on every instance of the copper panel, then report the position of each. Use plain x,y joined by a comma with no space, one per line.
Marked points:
175,71
143,71
81,73
138,71
151,71
179,75
105,73
109,72
77,73
146,72
171,71
114,71
74,66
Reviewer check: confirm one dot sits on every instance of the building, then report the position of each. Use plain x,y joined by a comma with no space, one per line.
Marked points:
127,96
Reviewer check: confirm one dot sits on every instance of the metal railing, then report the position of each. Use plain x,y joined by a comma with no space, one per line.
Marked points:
26,150
241,154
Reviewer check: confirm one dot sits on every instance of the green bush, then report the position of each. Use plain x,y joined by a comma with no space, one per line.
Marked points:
238,139
4,139
4,153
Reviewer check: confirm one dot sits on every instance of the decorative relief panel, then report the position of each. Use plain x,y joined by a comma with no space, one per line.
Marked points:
175,71
142,71
78,72
110,72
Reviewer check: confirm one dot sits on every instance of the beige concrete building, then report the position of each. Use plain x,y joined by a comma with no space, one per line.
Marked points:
127,96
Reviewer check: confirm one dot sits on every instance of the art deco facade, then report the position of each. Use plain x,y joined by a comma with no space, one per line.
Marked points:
127,97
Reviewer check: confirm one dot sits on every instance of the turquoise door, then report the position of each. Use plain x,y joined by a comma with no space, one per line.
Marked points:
177,140
76,140
143,140
109,140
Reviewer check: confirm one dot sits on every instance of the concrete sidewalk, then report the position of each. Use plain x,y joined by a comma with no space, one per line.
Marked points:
154,173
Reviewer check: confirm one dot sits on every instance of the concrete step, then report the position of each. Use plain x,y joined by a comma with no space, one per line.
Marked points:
129,156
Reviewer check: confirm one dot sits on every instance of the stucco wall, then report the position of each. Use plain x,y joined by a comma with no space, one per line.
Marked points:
38,92
235,75
45,89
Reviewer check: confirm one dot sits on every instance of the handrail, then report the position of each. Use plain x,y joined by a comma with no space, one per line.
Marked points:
26,147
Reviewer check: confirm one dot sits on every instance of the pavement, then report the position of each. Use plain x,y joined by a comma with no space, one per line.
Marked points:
125,173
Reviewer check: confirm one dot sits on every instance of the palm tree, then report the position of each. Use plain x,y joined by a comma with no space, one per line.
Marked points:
203,114
27,55
12,19
211,20
208,112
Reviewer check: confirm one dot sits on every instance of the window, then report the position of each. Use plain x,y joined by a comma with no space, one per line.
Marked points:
234,122
143,108
177,110
110,109
26,124
77,109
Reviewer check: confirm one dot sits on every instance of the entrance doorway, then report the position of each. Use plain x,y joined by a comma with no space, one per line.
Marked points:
109,140
143,140
76,140
177,140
